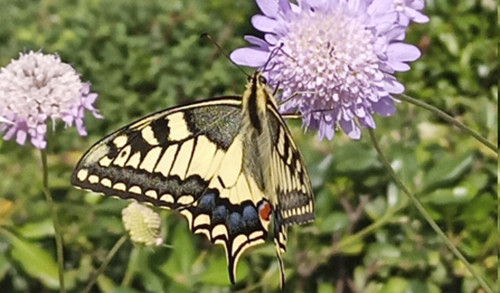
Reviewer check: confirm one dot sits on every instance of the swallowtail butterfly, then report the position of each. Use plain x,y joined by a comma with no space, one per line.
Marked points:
229,165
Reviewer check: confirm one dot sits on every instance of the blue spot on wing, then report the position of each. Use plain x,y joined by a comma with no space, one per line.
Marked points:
207,203
219,215
250,216
235,223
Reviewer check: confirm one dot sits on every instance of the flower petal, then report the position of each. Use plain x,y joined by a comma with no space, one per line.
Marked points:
264,23
260,43
384,107
350,129
403,52
251,57
269,7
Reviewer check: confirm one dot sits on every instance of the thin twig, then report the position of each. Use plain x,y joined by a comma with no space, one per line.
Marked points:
105,263
426,215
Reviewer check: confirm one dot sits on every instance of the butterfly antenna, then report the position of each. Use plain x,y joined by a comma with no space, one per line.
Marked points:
271,56
208,36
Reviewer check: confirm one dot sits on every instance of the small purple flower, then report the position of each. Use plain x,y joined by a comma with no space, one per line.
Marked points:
334,59
36,88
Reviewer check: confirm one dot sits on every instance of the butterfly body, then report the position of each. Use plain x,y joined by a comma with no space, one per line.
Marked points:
229,165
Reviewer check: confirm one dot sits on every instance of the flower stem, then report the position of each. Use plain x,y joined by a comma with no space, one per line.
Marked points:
57,230
451,120
105,263
427,217
131,268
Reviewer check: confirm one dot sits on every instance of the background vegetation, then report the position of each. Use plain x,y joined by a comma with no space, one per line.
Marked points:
142,56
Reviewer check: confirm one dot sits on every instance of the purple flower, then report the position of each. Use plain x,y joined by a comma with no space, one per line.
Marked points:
334,59
36,88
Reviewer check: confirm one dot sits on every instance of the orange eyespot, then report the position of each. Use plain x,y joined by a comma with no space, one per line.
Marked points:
265,211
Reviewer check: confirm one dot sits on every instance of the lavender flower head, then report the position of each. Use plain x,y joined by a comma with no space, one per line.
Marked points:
36,88
334,59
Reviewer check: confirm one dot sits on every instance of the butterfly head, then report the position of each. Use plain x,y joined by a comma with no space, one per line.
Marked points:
256,98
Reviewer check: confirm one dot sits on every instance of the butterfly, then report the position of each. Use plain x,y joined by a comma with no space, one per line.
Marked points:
229,165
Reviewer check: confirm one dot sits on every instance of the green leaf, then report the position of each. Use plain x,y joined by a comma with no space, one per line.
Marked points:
326,288
355,158
447,170
385,252
216,272
181,260
334,222
461,193
417,286
354,248
360,278
4,265
376,208
106,284
37,230
37,262
123,290
395,285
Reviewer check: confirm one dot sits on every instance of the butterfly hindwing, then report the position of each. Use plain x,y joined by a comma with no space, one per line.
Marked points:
291,183
295,200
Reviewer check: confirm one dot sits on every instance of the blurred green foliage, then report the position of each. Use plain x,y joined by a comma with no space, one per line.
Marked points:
142,56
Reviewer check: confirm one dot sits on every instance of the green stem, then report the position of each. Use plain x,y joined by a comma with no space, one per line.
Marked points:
427,217
57,230
451,120
105,263
131,268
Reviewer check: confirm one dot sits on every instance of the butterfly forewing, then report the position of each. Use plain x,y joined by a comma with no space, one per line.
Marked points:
165,158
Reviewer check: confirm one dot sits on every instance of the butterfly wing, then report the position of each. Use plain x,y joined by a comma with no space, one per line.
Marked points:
294,202
186,158
295,199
